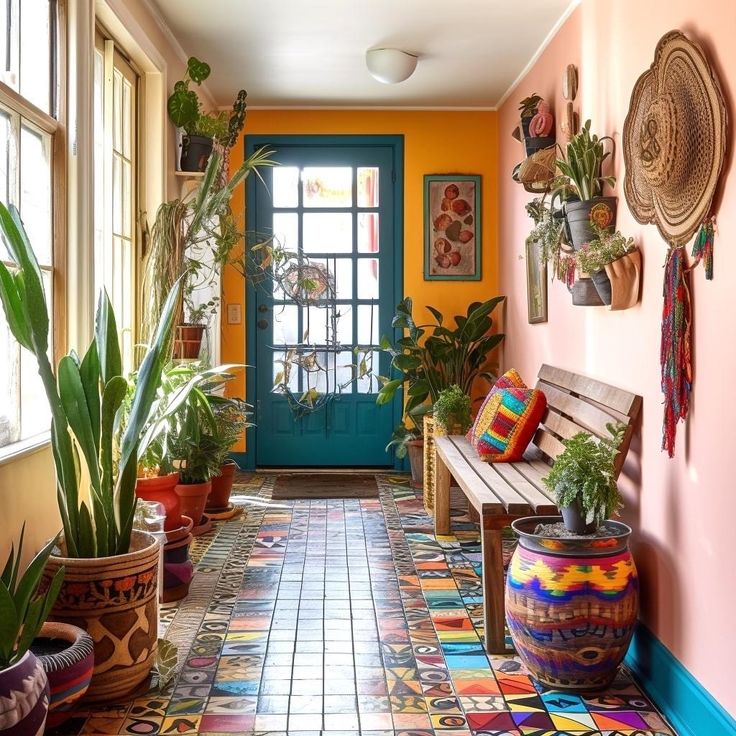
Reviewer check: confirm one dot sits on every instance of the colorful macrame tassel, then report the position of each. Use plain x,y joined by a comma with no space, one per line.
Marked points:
703,246
675,347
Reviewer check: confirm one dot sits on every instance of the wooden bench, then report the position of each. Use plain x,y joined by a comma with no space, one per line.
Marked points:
502,492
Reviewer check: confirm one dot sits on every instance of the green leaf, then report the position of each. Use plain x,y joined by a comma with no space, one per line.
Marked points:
13,306
167,659
437,314
183,108
197,70
86,537
31,578
89,372
386,394
9,625
106,338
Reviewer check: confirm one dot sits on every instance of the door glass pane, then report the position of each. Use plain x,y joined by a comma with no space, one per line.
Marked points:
368,232
335,371
368,186
285,325
368,333
323,325
328,232
328,186
367,367
7,166
35,195
286,230
9,404
283,369
35,52
368,278
340,271
285,186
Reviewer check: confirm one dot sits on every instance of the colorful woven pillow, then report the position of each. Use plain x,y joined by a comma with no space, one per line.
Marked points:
512,419
510,379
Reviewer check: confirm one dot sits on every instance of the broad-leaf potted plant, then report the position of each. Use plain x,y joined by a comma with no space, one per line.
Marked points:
202,129
24,606
611,259
572,590
111,570
582,186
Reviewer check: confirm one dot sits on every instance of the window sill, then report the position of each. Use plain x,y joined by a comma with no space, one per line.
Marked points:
16,451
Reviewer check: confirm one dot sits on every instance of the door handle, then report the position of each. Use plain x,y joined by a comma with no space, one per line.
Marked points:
262,308
262,324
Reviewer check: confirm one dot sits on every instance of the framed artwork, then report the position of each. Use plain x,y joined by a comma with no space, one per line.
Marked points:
452,227
536,285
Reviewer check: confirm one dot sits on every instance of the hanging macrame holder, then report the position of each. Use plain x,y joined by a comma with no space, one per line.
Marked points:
674,142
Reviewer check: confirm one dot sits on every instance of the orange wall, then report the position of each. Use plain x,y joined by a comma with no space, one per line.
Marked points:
434,143
680,508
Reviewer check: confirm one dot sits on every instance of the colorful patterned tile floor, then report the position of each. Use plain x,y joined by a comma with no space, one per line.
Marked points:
344,617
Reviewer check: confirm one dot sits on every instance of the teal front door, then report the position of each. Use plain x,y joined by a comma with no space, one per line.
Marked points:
333,204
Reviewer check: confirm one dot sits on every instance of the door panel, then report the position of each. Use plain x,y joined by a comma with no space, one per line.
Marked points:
333,205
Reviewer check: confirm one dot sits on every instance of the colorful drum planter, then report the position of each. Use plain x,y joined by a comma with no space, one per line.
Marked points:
67,656
178,568
24,698
571,604
115,600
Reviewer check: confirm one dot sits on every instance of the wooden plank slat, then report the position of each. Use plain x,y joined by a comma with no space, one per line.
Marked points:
603,393
561,426
538,501
489,473
548,443
589,417
477,492
534,471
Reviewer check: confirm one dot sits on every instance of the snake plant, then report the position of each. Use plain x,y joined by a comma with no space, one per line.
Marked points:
91,452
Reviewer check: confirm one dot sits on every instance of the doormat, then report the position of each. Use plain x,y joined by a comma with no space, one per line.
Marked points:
290,486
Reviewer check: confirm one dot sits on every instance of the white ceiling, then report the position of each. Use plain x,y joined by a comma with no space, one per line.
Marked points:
306,53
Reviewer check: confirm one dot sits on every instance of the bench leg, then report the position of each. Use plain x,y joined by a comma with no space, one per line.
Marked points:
441,498
493,592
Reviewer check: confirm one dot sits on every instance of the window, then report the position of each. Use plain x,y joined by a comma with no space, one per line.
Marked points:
28,167
115,103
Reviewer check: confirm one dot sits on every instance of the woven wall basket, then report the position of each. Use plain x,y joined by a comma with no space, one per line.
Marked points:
674,140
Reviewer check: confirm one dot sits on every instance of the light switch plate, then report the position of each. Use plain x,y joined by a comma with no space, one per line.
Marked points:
233,314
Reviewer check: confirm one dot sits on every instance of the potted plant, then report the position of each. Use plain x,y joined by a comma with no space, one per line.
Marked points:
432,357
202,129
452,410
24,606
546,234
193,237
111,570
527,110
572,589
537,124
231,419
598,259
582,186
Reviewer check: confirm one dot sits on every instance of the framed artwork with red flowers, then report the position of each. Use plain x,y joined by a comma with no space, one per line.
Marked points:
452,227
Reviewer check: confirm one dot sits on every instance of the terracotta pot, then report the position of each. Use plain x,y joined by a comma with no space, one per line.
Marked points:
161,490
114,599
571,604
188,341
222,486
24,698
180,532
178,568
415,448
193,498
67,656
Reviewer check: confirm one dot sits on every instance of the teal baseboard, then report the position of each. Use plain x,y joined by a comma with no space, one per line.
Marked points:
690,708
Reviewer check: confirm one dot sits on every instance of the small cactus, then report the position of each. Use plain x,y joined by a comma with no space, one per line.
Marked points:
541,124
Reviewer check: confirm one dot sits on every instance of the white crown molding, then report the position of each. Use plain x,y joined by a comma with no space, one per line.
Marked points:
547,40
381,108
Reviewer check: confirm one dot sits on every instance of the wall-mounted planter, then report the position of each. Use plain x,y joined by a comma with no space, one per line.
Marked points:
532,144
581,216
625,276
584,293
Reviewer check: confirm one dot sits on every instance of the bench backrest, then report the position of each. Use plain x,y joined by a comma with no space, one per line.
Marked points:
576,403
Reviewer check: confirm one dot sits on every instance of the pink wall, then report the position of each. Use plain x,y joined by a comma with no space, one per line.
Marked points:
680,509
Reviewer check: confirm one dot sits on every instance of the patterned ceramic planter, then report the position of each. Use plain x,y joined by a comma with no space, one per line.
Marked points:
67,656
571,605
114,599
24,698
222,486
178,568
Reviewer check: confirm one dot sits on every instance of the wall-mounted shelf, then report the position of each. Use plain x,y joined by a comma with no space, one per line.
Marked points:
190,174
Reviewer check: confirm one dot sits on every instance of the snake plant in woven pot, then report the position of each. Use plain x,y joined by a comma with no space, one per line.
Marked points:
110,586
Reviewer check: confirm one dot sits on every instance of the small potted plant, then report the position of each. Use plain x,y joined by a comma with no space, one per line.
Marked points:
572,590
408,441
547,231
24,606
452,410
232,418
582,186
527,110
202,129
600,259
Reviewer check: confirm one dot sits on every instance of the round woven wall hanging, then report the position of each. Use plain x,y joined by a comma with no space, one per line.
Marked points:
674,140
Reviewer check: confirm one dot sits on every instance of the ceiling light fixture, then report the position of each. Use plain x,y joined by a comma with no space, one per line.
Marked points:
390,66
